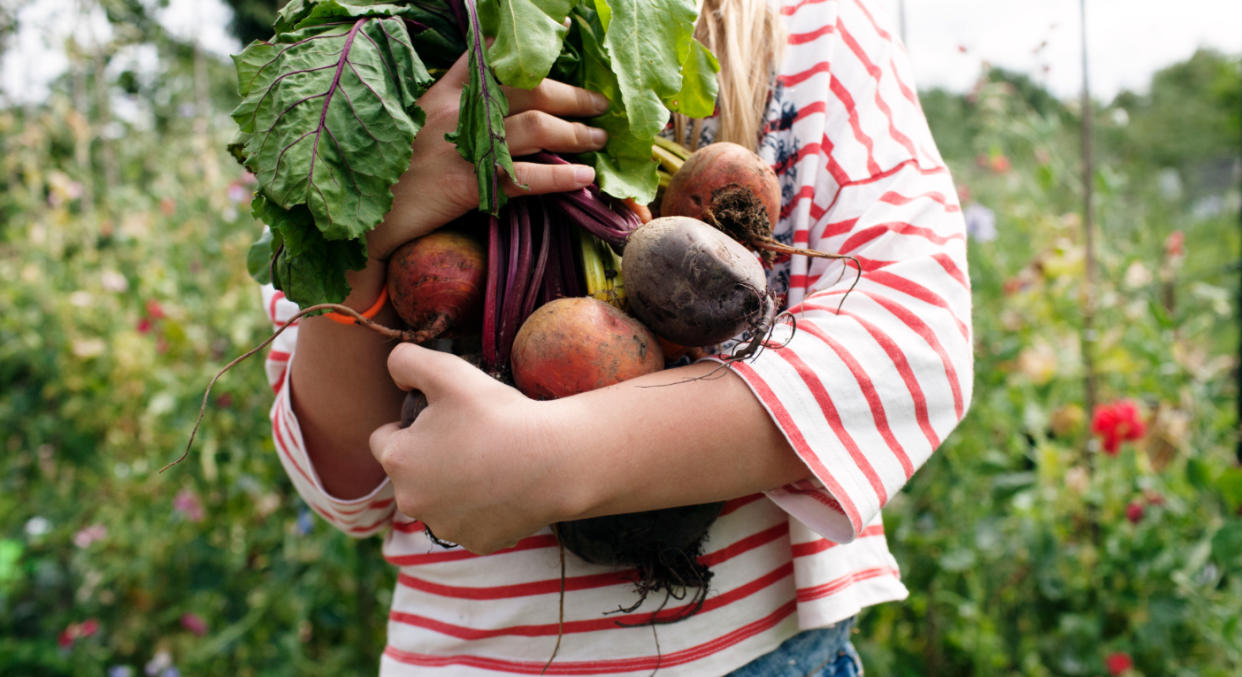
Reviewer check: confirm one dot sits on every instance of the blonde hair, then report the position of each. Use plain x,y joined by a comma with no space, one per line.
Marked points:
747,38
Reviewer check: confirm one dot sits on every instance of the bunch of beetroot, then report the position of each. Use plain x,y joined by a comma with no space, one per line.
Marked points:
508,292
691,280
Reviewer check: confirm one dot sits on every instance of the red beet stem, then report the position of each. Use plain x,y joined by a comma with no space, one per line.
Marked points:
519,277
541,261
491,299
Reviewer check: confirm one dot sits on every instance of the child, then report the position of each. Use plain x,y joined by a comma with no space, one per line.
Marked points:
805,443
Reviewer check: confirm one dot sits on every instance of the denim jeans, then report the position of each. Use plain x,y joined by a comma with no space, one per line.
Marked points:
822,652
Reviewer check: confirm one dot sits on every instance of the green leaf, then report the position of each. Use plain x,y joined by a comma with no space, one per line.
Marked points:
647,41
309,269
621,59
259,257
1230,485
1199,473
528,38
329,115
302,13
480,133
291,14
1227,545
625,167
697,98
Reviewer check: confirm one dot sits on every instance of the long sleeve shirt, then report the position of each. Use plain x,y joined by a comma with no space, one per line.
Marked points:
864,389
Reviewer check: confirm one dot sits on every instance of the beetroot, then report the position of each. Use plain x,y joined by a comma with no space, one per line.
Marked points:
719,166
730,187
436,281
692,284
575,344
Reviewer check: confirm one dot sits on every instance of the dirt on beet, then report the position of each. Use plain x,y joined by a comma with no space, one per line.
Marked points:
742,216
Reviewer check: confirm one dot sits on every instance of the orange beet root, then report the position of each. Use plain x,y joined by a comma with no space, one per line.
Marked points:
575,344
719,166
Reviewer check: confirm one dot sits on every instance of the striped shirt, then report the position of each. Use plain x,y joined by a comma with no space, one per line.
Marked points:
864,395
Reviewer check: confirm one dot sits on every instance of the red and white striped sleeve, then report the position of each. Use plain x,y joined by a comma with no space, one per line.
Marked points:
358,517
872,380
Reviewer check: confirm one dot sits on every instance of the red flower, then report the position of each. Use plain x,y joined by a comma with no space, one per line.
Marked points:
1175,244
144,325
1116,423
193,623
1134,512
1118,662
999,164
75,631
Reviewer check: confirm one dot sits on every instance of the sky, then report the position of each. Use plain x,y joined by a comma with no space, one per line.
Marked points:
1128,40
948,40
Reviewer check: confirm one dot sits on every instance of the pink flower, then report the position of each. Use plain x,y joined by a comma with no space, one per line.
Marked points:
1118,662
1116,423
193,623
238,192
154,310
1134,512
75,631
89,535
144,325
186,502
999,164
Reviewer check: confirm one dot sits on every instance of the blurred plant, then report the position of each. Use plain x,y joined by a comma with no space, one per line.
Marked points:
1023,554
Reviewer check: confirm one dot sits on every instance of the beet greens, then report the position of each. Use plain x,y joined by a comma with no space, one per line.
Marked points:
329,108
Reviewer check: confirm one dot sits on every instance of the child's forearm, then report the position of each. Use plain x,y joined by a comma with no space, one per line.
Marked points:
675,437
341,390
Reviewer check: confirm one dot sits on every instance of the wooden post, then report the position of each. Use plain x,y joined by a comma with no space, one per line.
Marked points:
1088,334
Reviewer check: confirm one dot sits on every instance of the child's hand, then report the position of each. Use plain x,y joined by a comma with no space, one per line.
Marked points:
479,465
441,186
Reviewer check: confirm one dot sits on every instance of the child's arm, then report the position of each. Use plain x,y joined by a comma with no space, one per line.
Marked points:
486,466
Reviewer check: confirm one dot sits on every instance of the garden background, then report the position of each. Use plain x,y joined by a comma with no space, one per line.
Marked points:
1044,538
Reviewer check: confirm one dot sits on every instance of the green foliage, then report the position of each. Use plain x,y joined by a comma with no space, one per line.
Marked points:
1190,120
116,318
1028,549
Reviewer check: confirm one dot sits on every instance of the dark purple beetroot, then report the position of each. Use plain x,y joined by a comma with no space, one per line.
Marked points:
691,283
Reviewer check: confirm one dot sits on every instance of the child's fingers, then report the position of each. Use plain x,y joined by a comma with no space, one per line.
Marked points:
539,179
533,130
558,99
